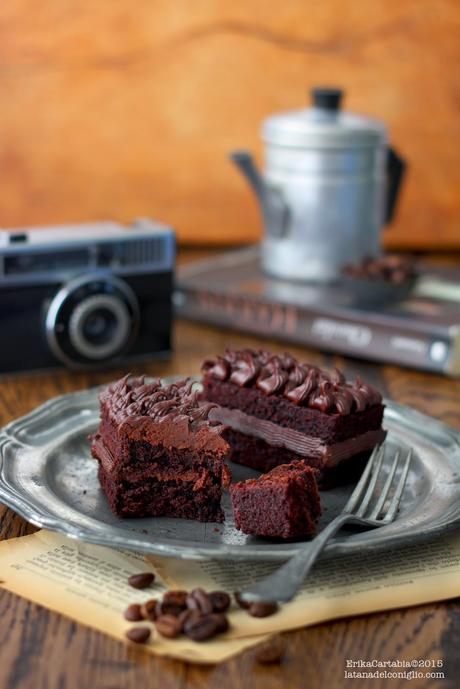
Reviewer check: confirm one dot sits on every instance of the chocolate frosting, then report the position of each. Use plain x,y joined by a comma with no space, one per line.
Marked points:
296,441
301,383
131,399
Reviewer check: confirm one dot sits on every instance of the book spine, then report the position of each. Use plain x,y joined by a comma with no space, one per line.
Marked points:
398,344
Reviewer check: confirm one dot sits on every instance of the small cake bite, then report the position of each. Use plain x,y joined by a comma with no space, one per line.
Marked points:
284,503
159,455
278,409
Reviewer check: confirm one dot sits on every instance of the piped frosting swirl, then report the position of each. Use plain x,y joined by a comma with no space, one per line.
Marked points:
132,397
301,383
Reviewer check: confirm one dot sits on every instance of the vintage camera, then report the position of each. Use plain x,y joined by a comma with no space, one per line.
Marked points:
86,296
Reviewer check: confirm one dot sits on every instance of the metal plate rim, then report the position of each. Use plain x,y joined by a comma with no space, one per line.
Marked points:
27,508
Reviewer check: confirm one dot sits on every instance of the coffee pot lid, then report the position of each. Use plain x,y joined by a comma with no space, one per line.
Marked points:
324,125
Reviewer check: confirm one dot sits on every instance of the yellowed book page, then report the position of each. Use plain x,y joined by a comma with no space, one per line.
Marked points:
338,587
88,583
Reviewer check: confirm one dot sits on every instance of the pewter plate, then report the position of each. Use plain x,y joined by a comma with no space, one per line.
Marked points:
48,477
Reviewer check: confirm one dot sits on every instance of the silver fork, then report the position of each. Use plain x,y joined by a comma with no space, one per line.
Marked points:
366,508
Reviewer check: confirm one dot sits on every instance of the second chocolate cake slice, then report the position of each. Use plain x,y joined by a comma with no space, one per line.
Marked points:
283,503
158,453
279,410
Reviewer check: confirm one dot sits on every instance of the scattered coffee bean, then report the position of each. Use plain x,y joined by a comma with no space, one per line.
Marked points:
138,635
142,580
199,600
176,597
398,276
222,622
168,626
271,652
203,627
198,614
220,601
242,603
172,603
148,609
389,268
166,608
133,613
187,615
262,609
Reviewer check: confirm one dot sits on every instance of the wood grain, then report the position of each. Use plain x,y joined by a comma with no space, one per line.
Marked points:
108,112
42,650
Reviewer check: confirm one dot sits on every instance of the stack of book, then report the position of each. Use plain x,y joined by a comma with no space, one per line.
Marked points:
422,330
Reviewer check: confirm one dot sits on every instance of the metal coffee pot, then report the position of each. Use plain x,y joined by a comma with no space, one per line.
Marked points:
331,182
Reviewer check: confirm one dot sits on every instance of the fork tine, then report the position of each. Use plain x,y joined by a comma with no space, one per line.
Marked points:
371,486
394,504
386,489
359,488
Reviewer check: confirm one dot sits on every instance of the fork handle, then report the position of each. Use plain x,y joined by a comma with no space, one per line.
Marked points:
283,583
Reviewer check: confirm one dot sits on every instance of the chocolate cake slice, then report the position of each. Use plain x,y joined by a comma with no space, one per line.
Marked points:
159,454
278,410
284,503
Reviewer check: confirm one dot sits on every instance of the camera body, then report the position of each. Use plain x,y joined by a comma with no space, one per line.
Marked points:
85,296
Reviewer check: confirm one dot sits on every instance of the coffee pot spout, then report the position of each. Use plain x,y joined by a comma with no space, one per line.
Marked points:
275,211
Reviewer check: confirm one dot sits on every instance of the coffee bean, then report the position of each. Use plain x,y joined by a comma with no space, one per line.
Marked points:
375,269
203,627
149,609
142,580
222,621
133,613
176,597
168,626
220,601
173,602
262,609
166,608
398,276
271,652
187,615
199,600
138,635
393,260
391,268
242,603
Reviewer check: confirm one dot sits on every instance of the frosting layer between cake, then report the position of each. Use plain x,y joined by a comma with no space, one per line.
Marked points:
159,454
300,443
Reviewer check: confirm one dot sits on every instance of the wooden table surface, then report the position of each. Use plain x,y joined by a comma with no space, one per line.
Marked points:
43,650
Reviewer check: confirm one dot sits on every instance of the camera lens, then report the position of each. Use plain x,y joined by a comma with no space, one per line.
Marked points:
91,321
99,327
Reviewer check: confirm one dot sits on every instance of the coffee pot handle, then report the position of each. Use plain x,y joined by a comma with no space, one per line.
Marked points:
396,168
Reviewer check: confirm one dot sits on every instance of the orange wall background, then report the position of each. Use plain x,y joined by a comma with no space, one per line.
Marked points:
117,109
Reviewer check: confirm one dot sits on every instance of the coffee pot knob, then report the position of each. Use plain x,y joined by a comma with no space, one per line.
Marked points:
326,98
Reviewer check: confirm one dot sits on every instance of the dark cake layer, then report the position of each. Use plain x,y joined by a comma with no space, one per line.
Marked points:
281,504
174,497
278,409
306,446
329,427
128,456
258,455
160,468
158,453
